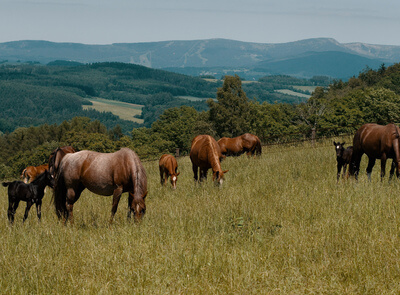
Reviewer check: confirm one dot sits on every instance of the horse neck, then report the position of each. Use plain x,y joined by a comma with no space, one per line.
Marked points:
40,182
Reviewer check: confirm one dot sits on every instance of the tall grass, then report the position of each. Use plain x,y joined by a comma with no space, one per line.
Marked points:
280,224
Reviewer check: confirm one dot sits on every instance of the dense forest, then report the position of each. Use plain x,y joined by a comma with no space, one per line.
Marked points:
373,96
34,94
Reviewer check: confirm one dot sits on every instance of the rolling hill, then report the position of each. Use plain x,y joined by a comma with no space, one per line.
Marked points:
215,56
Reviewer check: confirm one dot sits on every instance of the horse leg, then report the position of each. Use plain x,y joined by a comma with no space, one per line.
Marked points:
39,209
203,174
28,207
116,197
161,176
371,163
12,208
195,172
344,170
70,200
383,166
392,168
339,168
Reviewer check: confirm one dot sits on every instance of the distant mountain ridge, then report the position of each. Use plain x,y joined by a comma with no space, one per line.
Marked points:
245,57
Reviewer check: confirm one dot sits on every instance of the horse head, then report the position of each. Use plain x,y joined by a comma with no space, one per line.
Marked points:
139,207
174,179
339,148
218,177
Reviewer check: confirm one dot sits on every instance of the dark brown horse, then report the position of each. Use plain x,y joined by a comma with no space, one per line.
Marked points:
31,193
246,143
205,153
104,174
377,142
57,155
168,168
343,157
31,172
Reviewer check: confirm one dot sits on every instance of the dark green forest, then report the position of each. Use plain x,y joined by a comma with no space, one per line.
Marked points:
340,108
34,94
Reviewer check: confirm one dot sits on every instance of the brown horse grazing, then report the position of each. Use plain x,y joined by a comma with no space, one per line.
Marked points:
31,193
343,157
31,172
246,143
378,142
168,168
56,156
205,153
104,174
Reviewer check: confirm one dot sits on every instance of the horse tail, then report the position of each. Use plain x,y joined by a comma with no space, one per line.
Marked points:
60,195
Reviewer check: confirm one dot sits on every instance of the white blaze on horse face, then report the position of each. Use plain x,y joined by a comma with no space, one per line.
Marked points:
174,178
337,147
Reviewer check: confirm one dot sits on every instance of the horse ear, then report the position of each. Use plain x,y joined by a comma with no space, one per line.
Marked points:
178,173
343,142
225,171
334,143
144,195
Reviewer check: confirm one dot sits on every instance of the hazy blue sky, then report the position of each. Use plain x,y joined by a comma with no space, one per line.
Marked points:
263,21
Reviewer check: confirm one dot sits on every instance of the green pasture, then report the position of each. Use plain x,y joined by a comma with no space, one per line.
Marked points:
291,92
125,111
280,224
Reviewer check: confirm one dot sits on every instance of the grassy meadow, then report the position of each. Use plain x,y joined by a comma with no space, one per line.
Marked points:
280,224
125,111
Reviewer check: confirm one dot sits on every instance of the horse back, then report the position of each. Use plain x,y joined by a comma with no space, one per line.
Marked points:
101,173
205,151
168,163
374,140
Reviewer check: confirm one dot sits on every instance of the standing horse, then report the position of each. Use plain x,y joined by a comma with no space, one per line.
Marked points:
246,143
205,153
168,168
343,157
377,142
31,172
28,192
103,174
57,155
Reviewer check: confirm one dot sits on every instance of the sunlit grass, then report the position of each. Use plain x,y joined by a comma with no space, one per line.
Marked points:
280,224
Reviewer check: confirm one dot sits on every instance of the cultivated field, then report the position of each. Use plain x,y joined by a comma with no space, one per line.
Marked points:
125,111
279,225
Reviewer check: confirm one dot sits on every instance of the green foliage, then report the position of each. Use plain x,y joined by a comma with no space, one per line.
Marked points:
230,114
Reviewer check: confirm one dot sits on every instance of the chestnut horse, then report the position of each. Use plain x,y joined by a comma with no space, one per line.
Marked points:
246,143
56,156
104,174
205,153
168,168
31,172
377,142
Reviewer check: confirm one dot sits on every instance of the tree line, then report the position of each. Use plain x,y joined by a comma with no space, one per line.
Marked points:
373,96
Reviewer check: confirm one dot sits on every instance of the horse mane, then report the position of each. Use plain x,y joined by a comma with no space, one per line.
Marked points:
39,178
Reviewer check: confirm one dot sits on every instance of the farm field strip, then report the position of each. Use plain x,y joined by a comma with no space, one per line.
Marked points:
124,110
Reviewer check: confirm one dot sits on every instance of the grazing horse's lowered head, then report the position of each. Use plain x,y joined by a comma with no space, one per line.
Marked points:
205,154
